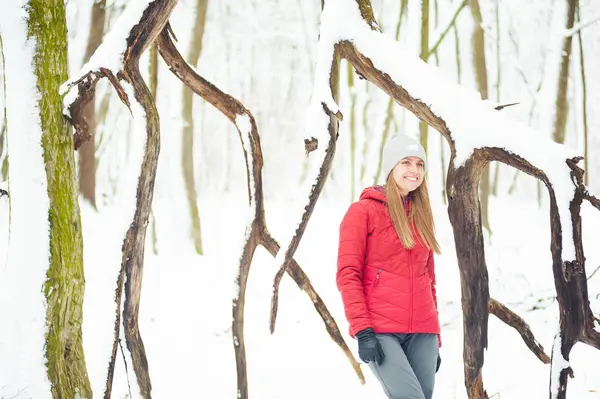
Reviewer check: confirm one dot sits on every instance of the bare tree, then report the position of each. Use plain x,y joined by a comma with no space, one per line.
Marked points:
187,145
49,242
140,37
142,33
576,317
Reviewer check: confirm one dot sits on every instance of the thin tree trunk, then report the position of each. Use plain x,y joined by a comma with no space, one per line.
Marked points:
3,145
562,107
64,288
350,73
87,151
482,85
187,147
586,177
389,112
424,127
498,79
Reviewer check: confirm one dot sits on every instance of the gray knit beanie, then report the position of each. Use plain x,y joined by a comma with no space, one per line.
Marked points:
398,147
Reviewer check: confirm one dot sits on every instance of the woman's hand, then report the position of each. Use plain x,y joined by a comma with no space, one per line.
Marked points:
369,348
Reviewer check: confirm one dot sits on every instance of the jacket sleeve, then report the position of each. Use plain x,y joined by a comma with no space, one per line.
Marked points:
431,271
354,230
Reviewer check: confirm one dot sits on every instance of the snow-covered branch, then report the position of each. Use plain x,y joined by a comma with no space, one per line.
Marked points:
256,232
117,58
477,134
579,26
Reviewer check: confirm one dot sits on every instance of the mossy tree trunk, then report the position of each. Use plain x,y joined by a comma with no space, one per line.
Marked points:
187,147
64,287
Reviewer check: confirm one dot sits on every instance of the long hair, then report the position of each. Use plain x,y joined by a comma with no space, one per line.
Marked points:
420,215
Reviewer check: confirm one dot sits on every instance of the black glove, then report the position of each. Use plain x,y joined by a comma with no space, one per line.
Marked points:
369,348
439,361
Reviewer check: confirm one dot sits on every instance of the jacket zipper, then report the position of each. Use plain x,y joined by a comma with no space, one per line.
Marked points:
410,309
376,278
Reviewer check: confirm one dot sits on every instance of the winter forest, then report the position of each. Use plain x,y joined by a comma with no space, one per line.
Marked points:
173,174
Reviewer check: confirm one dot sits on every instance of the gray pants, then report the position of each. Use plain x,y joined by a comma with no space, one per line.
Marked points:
408,369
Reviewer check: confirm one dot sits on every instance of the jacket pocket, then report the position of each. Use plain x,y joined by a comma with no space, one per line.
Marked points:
375,283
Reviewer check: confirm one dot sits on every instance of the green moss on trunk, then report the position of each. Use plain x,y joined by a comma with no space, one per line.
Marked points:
64,287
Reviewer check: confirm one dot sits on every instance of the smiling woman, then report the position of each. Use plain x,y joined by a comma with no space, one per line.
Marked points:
386,274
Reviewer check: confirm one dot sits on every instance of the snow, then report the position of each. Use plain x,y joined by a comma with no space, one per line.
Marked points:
244,125
110,53
472,123
185,312
27,256
558,365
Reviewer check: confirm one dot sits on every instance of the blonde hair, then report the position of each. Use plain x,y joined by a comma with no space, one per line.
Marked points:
419,218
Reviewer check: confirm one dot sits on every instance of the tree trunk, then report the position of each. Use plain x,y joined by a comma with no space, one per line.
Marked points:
3,146
424,127
562,108
187,147
64,288
478,42
87,151
586,160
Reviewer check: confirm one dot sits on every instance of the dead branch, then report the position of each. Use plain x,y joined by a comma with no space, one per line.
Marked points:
256,231
312,201
464,211
141,35
515,321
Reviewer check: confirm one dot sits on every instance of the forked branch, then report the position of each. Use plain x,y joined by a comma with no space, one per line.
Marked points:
256,231
141,34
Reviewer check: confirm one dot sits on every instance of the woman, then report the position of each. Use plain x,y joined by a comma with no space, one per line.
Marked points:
386,275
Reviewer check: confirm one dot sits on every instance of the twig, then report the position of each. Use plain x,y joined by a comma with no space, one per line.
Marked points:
445,32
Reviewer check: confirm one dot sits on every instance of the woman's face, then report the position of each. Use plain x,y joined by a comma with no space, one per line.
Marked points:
409,174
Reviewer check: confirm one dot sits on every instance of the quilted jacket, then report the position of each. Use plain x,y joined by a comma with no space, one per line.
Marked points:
384,285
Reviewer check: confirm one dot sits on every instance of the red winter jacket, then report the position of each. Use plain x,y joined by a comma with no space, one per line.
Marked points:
383,285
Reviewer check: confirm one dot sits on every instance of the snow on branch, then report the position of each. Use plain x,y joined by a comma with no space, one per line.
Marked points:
457,112
477,134
256,232
117,58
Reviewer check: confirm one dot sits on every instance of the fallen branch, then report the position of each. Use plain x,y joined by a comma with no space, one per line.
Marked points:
515,321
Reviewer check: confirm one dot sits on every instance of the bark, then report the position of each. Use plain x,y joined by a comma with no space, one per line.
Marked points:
481,77
64,288
562,108
256,231
187,148
153,72
87,151
141,36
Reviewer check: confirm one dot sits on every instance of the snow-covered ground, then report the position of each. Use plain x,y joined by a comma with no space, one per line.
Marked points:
185,314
